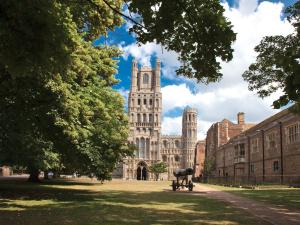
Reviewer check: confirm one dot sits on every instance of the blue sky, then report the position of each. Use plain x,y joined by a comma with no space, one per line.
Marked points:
252,20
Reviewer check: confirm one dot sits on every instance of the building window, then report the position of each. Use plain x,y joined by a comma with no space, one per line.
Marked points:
293,133
132,117
275,166
177,144
150,118
138,118
271,141
157,103
252,168
137,143
145,78
177,158
236,150
165,143
150,101
144,118
139,101
254,145
145,101
164,157
242,150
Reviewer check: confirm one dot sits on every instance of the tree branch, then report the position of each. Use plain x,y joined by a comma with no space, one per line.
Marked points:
117,11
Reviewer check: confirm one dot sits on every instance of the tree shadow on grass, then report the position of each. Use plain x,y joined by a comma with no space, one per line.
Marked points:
53,205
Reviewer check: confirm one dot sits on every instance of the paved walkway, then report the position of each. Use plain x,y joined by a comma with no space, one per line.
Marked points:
271,214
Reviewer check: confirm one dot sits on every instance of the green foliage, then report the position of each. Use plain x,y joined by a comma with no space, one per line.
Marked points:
40,36
196,30
158,168
277,65
58,108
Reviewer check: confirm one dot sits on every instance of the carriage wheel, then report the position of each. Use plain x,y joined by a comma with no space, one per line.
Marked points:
191,186
174,186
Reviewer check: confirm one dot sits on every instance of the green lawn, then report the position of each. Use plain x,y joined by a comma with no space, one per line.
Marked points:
116,202
281,196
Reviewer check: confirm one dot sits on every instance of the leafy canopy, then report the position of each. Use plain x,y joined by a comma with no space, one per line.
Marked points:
196,30
277,65
58,108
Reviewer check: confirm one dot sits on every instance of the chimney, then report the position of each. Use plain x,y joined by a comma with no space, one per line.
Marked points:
241,118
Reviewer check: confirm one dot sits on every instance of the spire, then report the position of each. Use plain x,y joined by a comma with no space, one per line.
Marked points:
157,75
134,71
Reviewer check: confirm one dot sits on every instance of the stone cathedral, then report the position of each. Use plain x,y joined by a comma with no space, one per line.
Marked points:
144,111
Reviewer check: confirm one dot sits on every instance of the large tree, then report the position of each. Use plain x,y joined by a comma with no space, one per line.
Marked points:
57,105
58,108
277,65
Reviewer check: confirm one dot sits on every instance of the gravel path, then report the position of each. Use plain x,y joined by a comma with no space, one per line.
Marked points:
271,214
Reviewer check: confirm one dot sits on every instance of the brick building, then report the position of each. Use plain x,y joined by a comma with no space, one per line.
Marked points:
220,133
269,151
199,158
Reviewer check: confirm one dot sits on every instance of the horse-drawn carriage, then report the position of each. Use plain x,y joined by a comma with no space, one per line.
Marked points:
183,179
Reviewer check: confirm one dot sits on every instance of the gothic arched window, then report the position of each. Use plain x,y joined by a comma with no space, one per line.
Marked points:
150,118
137,143
138,118
165,144
177,144
145,78
164,157
142,147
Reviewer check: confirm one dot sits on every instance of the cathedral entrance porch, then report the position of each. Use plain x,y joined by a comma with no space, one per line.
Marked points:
142,171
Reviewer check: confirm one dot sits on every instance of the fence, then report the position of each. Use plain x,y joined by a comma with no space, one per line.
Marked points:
291,180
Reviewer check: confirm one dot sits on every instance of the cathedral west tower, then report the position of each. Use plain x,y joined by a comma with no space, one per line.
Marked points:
144,112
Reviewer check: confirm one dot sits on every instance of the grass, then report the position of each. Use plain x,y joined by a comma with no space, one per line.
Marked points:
116,202
281,196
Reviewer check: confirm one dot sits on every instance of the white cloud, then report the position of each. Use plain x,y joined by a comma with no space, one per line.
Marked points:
251,21
171,125
217,104
247,6
144,53
124,94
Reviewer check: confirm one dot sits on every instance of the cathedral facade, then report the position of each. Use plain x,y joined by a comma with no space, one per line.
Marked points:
144,112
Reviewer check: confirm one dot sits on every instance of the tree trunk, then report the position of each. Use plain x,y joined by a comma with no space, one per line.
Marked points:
46,177
34,176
